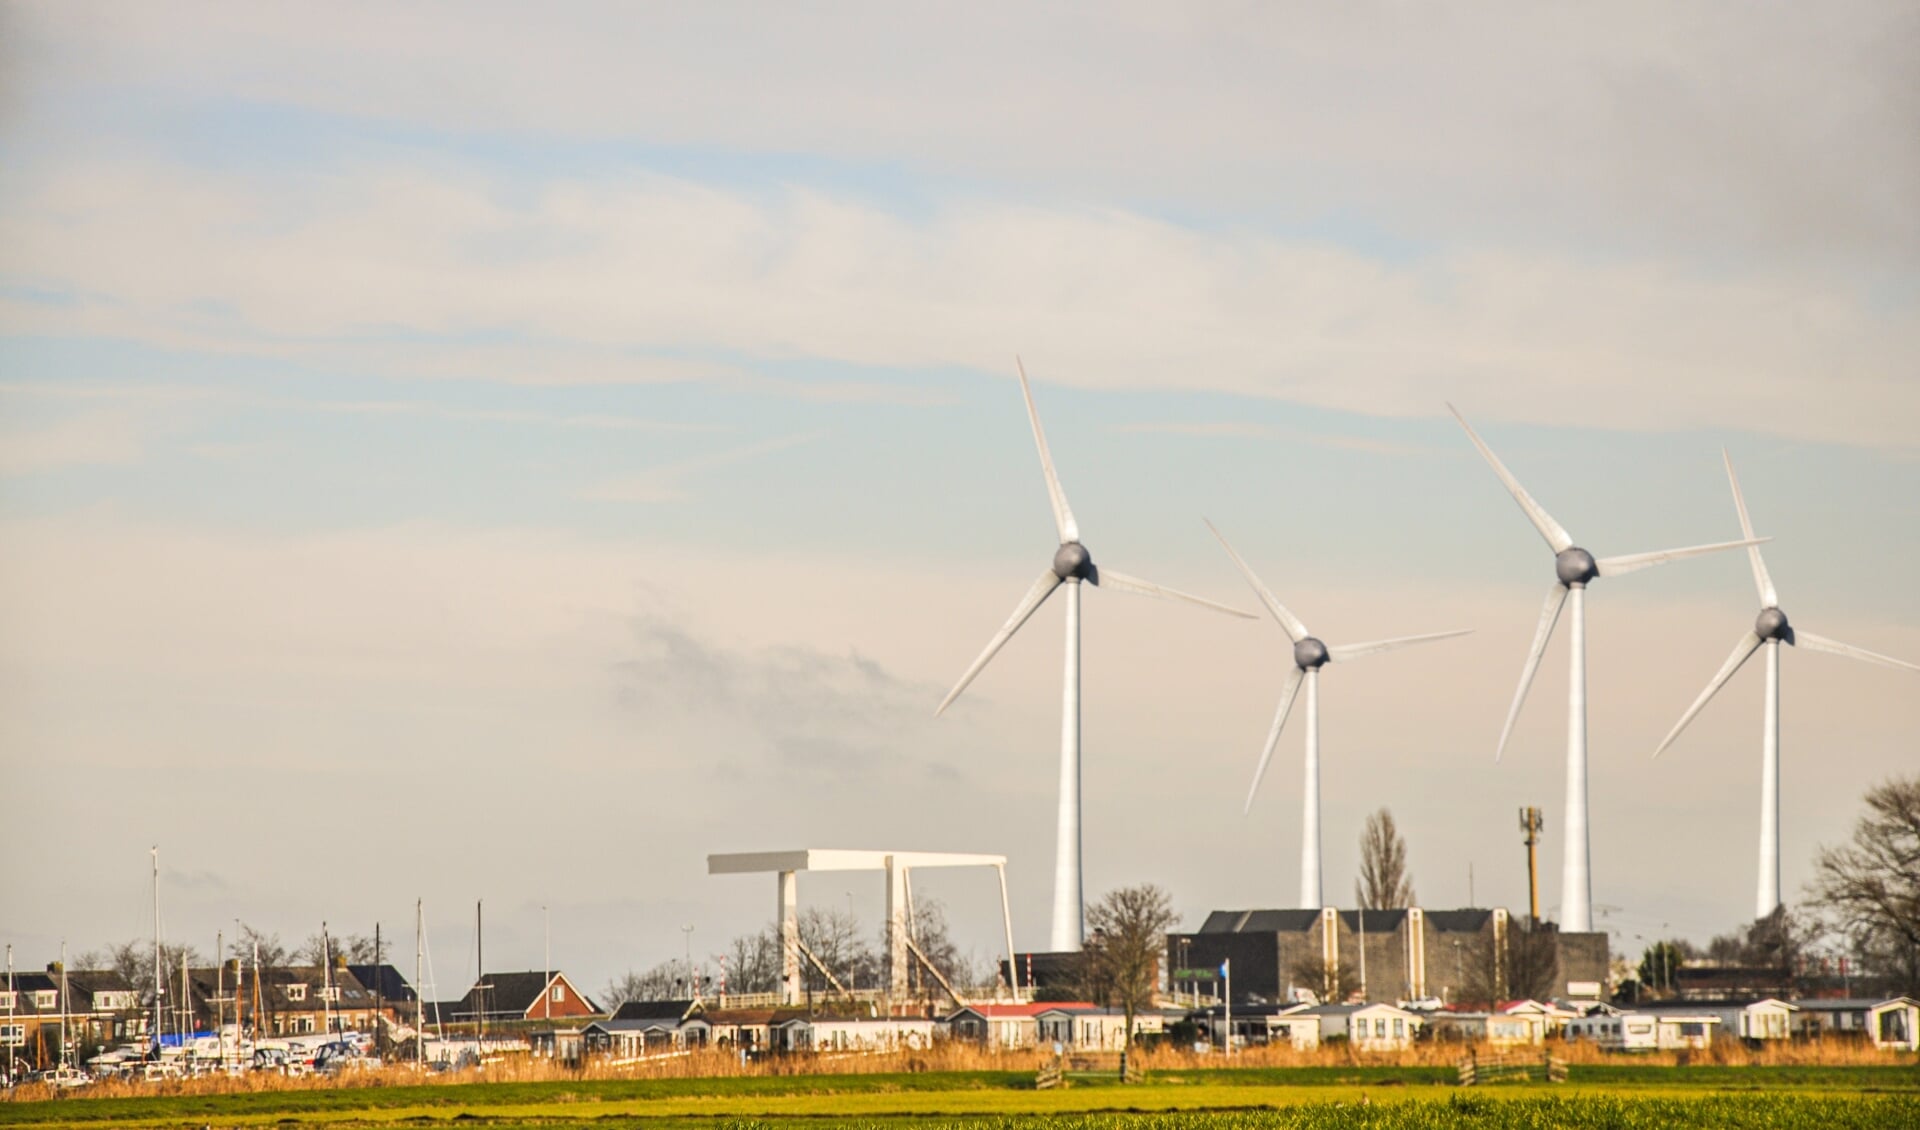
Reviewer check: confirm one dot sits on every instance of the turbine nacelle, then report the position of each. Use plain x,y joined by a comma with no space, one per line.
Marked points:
1575,566
1072,562
1772,624
1309,654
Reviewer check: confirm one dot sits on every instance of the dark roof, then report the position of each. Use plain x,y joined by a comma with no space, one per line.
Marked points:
1260,922
1471,920
1377,921
384,980
655,1010
508,994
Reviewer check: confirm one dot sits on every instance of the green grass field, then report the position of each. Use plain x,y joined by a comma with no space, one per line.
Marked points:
1625,1097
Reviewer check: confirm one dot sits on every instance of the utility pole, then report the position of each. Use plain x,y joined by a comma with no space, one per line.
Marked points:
1531,823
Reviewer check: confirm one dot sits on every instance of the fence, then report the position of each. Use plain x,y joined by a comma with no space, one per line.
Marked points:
1516,1067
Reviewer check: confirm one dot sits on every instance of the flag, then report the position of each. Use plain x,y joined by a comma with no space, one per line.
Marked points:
1223,968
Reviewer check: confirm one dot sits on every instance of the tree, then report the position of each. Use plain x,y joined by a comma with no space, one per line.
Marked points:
1661,964
664,982
1331,982
1384,883
1129,936
1869,889
1521,965
354,948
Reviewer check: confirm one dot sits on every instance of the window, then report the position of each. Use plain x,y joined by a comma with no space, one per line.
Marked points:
1399,1027
557,994
1692,1029
13,1034
46,998
112,1001
296,992
6,1000
1380,1027
330,993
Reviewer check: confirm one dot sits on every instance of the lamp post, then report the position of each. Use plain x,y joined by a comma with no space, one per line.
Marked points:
692,993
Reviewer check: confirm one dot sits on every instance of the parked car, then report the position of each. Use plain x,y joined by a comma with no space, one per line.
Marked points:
341,1055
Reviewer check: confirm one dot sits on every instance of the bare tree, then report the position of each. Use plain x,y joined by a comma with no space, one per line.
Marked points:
1521,965
1384,883
1869,889
354,948
753,963
664,982
1129,936
1331,982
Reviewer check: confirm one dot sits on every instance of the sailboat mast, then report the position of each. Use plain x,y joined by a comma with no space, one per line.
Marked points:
65,1038
326,982
159,983
419,993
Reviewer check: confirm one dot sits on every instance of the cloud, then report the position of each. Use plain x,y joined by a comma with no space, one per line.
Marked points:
666,483
822,717
92,439
1100,297
1250,430
1779,131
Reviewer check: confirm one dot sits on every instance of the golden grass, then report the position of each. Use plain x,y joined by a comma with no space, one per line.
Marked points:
948,1056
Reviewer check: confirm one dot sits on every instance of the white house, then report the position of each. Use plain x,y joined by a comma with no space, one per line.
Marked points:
852,1033
1367,1027
1086,1027
1264,1024
1895,1024
1002,1026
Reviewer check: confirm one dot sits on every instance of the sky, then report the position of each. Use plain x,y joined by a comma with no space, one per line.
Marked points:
470,452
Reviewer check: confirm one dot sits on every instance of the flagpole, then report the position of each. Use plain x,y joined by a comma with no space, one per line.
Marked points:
1226,974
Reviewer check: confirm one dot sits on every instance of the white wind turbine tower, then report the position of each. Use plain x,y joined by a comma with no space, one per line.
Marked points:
1574,569
1770,629
1071,565
1309,655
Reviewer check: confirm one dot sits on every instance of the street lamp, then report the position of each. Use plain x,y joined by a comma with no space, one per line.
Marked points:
692,993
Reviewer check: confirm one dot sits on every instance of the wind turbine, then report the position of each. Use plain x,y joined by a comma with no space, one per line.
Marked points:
1309,655
1574,568
1770,629
1071,565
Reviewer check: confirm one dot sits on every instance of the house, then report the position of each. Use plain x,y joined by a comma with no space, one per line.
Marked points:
1895,1024
1366,1027
996,1026
1768,1019
80,1009
1663,1028
532,995
1088,1027
819,1033
638,1028
1528,1022
1262,1025
748,1030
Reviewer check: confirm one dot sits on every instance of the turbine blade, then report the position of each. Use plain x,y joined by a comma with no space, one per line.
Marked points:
1036,596
1295,630
1834,647
1107,578
1549,616
1287,694
1062,513
1761,580
1356,650
1634,562
1556,535
1748,644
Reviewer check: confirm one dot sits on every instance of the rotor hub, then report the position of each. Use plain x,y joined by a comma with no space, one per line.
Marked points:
1310,653
1575,566
1072,561
1772,624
